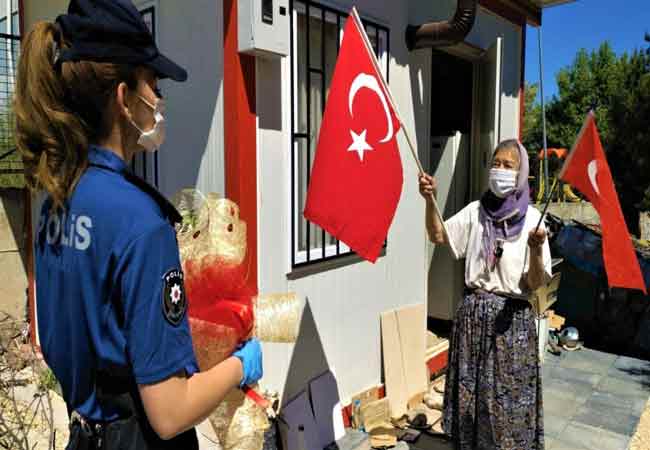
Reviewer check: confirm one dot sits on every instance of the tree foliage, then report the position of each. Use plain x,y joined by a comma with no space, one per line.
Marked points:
617,88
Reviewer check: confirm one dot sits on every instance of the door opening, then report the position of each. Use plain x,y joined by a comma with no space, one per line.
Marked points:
452,94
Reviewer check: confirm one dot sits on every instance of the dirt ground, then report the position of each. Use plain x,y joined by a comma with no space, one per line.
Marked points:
641,439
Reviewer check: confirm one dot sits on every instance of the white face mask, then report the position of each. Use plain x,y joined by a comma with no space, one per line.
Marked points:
152,140
502,182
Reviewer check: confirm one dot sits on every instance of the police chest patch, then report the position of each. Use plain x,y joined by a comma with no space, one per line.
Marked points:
174,302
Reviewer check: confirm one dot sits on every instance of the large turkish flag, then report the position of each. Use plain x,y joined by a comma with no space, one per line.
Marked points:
356,180
586,168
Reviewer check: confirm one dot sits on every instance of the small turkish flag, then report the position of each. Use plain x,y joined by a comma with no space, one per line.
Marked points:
586,168
356,180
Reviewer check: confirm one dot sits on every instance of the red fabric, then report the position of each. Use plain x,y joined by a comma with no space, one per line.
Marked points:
354,197
587,169
240,144
220,308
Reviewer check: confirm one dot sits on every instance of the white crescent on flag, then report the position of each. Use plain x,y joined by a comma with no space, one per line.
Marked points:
363,80
592,171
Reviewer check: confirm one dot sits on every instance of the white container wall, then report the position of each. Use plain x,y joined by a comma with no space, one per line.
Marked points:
190,33
342,328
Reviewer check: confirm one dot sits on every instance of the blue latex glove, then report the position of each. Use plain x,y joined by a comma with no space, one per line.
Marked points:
250,355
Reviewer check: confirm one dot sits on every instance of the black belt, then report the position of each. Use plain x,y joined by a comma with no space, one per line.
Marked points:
85,433
118,392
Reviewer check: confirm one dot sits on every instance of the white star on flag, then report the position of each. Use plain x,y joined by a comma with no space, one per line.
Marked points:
175,294
359,143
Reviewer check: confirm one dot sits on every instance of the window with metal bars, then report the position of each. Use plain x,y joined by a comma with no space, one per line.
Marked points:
316,35
11,164
15,24
145,164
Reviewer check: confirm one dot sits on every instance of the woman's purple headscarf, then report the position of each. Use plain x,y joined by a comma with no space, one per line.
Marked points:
503,218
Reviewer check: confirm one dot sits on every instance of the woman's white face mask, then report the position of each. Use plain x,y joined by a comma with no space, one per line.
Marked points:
152,140
502,182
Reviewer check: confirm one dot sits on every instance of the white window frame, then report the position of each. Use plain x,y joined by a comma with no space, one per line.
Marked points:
318,10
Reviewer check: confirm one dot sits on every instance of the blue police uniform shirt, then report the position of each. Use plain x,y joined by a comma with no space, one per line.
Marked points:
109,287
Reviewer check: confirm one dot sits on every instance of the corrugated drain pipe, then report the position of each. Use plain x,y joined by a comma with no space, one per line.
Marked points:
445,33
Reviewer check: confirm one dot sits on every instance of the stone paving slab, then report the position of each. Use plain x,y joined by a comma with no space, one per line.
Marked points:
575,376
580,436
624,362
571,391
554,425
593,400
586,360
619,421
623,387
636,371
603,400
561,445
559,405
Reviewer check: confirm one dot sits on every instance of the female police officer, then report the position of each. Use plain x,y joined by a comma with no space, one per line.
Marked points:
111,305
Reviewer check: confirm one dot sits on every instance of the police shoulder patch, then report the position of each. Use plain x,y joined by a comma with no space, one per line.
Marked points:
174,302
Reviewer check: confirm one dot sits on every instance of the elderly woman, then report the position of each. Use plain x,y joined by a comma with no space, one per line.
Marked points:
493,396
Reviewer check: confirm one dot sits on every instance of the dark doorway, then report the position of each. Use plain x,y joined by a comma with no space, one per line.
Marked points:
452,89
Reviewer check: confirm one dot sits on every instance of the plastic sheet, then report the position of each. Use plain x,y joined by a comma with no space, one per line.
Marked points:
277,317
583,248
224,310
239,423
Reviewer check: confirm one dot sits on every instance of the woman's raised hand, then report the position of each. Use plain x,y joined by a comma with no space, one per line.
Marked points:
428,186
536,238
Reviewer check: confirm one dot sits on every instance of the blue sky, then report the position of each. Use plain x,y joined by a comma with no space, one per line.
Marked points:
584,24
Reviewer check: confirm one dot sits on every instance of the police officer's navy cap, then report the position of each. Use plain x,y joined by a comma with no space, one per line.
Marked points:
112,31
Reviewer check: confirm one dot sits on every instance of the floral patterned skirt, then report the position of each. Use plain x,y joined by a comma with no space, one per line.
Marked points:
493,394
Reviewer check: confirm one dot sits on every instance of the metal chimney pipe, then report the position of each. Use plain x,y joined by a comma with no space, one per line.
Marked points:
445,33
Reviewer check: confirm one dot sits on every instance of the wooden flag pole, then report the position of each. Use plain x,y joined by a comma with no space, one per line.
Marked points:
366,41
590,115
548,202
357,19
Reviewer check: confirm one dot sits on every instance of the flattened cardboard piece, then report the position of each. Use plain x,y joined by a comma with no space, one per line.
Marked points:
556,321
300,431
411,325
375,414
383,436
394,371
326,404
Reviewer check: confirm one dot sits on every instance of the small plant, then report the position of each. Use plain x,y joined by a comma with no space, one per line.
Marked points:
24,422
47,381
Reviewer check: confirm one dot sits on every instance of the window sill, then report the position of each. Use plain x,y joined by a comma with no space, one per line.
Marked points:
333,263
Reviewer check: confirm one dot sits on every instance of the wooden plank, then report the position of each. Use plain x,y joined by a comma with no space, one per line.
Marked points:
434,351
394,372
411,324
